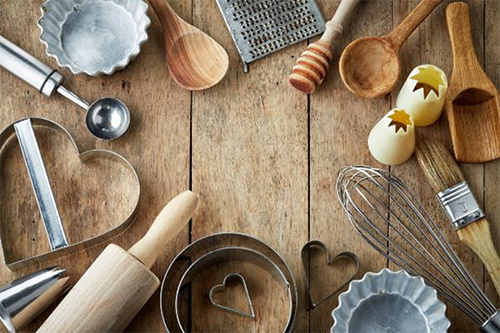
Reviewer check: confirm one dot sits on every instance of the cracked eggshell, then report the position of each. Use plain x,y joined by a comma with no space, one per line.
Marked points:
392,140
425,109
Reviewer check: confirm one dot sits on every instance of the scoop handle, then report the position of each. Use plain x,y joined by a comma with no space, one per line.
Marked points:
412,21
28,68
166,226
458,20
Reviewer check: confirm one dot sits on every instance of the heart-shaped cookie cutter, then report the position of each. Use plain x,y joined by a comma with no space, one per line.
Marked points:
59,244
222,287
304,255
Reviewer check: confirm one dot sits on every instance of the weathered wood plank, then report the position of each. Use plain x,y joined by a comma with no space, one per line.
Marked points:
340,124
250,164
157,143
492,169
430,44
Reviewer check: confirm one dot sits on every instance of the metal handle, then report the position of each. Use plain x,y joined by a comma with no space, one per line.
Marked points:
41,184
28,68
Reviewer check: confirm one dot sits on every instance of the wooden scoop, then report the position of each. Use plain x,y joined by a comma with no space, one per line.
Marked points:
195,60
370,66
472,102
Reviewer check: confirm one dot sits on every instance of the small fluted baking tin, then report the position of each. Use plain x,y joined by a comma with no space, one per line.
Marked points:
93,36
390,302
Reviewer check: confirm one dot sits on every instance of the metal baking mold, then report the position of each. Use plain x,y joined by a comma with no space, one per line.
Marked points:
59,244
94,36
262,27
390,301
222,287
214,249
305,253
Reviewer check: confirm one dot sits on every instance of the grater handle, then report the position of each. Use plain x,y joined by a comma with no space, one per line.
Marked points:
335,26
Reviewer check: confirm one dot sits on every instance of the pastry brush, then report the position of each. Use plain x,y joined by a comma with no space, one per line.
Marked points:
459,203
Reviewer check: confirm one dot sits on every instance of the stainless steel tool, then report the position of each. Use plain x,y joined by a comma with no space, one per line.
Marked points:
106,118
262,27
305,254
214,250
221,287
25,298
59,244
388,215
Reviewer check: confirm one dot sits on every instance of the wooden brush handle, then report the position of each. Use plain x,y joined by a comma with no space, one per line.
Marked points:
412,21
458,19
166,226
478,237
312,66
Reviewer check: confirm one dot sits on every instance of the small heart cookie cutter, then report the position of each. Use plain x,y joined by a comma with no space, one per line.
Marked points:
304,254
221,287
24,130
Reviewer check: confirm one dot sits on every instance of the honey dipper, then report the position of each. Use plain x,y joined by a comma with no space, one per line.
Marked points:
312,66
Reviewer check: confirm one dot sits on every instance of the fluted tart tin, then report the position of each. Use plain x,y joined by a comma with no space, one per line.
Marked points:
390,302
94,36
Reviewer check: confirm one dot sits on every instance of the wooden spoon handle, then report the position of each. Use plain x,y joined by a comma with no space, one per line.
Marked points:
458,19
168,18
166,226
412,21
335,26
478,237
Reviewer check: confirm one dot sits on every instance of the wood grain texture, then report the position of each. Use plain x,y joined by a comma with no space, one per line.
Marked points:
157,144
262,156
195,60
473,101
422,48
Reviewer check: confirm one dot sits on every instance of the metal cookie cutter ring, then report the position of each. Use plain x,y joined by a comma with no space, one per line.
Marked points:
214,249
59,245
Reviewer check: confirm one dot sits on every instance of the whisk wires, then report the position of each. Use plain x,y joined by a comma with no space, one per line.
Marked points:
388,215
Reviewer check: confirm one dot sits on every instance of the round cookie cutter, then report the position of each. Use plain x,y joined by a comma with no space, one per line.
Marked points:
24,130
214,249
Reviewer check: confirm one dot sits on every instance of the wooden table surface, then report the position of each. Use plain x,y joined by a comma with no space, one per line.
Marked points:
261,156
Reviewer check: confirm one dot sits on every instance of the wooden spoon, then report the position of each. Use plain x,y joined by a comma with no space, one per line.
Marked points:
195,60
472,102
370,66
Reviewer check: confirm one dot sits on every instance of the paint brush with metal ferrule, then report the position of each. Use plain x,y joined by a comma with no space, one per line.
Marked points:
459,203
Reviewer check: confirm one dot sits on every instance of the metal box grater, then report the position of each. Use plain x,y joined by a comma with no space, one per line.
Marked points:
261,27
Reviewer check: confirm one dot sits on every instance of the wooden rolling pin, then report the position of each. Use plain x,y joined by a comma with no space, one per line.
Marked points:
119,283
312,66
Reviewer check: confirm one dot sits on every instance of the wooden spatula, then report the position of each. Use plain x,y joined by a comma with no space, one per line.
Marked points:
472,102
195,60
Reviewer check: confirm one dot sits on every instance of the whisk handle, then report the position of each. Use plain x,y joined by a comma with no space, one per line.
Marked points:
478,237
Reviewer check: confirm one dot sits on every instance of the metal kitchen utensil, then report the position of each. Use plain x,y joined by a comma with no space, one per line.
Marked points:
94,36
25,298
49,212
221,287
390,302
305,254
388,215
262,27
106,118
214,249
